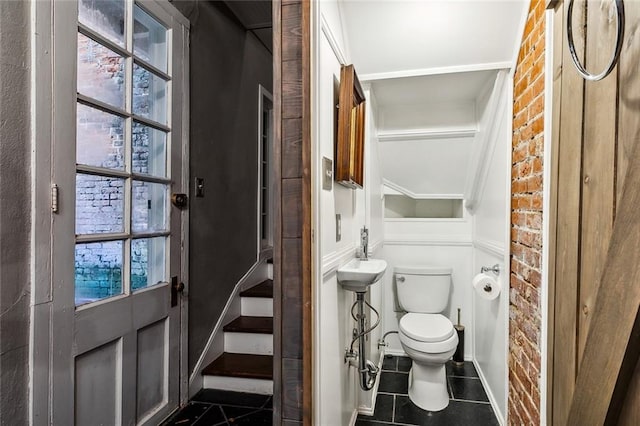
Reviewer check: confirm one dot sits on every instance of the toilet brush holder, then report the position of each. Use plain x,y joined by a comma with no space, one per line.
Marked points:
458,356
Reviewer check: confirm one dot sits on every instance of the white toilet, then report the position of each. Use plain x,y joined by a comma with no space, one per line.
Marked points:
426,335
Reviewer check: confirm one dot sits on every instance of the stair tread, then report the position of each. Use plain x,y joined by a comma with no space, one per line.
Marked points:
264,289
245,324
241,365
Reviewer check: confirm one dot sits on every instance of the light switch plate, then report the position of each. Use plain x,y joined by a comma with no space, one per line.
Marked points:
327,173
199,187
338,227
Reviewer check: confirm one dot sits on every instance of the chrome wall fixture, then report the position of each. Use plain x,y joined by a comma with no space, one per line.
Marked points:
495,269
616,54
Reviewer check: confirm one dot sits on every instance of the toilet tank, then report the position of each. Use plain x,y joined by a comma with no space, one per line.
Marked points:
423,289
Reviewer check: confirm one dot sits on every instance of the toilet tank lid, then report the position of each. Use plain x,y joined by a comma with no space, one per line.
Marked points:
423,270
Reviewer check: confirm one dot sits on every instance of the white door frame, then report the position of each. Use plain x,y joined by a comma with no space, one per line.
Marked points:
45,104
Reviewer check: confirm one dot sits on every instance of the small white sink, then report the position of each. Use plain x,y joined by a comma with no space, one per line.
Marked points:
358,275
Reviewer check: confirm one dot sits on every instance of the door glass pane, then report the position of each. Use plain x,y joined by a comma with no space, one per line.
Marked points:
148,262
100,138
98,271
149,150
149,95
101,72
99,204
149,207
105,17
149,39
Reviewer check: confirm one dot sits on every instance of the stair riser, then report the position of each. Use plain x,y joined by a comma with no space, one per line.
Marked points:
238,384
256,306
248,343
270,270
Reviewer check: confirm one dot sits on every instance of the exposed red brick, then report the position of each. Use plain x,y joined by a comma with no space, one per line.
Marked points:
537,165
526,224
536,108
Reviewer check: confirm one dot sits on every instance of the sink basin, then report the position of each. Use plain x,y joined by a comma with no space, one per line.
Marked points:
358,275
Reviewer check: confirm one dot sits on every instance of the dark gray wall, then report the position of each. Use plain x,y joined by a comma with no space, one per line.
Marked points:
227,64
15,228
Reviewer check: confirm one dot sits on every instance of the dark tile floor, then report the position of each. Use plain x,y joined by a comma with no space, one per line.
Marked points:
469,404
211,407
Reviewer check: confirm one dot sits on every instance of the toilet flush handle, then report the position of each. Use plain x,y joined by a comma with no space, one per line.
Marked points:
400,279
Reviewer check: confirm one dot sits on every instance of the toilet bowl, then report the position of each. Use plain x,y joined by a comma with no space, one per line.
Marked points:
430,341
426,335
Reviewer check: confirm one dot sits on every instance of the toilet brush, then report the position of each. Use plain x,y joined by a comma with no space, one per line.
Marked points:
458,356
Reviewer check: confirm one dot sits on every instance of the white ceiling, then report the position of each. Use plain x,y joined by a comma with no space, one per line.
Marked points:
397,36
431,89
450,102
430,64
427,167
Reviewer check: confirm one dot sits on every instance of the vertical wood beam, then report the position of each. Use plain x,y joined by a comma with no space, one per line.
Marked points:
292,286
628,137
613,342
598,162
277,211
567,261
558,27
307,303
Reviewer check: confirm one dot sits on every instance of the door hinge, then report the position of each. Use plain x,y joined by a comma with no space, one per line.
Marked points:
54,198
176,287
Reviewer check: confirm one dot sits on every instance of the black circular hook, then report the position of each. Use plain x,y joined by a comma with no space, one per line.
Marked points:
616,55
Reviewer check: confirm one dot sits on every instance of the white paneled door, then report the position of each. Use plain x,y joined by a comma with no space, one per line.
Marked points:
118,154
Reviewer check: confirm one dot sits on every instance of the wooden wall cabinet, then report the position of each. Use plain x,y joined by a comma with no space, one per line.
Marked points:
349,152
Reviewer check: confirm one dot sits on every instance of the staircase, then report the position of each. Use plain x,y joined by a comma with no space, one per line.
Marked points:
247,362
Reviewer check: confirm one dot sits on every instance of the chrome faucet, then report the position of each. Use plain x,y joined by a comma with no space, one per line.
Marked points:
364,243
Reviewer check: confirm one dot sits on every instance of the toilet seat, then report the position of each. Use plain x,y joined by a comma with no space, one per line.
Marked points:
428,333
426,327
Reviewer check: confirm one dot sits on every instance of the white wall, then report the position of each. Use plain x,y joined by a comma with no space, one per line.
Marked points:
337,397
479,239
434,116
491,246
337,393
462,244
427,127
434,242
436,166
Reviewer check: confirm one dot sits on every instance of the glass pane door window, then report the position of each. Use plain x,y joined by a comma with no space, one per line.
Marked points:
123,135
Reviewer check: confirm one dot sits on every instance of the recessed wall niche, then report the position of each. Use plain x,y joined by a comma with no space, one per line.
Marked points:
402,206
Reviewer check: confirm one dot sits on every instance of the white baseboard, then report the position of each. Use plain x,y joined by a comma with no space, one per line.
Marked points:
400,352
487,389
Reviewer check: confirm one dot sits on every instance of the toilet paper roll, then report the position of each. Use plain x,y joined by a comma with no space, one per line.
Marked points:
486,286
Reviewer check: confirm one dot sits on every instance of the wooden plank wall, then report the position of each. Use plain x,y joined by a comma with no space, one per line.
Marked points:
292,242
599,125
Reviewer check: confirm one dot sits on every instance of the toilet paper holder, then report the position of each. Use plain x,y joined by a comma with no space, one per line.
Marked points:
495,269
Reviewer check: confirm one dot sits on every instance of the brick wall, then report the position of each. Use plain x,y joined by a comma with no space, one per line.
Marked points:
100,201
526,224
